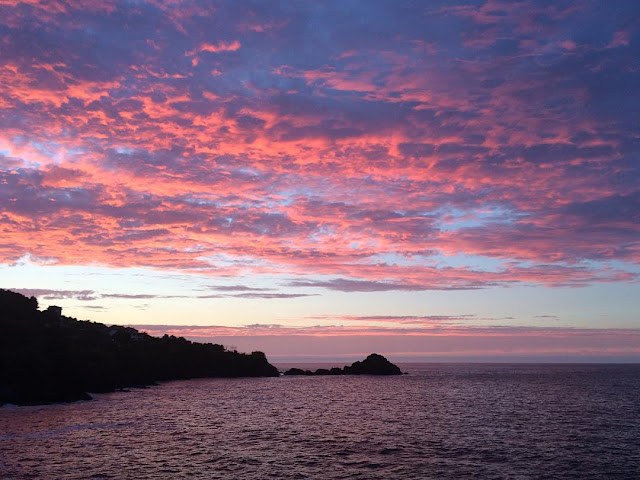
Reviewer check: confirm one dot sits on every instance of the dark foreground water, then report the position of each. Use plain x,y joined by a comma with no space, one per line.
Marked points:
441,422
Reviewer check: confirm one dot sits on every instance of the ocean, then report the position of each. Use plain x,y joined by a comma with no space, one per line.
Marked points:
442,421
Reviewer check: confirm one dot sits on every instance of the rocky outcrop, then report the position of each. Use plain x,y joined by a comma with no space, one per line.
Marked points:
374,364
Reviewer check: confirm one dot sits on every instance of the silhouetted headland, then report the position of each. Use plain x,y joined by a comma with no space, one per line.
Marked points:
46,357
374,364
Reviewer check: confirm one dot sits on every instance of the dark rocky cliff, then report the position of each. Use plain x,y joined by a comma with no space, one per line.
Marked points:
46,357
374,364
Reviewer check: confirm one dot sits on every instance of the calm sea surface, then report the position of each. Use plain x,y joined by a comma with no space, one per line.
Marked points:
441,422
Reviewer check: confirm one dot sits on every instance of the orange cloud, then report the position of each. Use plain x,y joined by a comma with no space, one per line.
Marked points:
221,46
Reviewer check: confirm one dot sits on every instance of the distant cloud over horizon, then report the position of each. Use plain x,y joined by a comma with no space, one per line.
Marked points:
48,294
89,295
479,343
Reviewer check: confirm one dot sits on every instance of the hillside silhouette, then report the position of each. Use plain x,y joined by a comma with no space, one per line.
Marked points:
46,357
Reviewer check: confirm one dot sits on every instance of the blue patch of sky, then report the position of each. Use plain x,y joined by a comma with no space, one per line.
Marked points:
192,200
24,273
476,218
125,150
175,297
279,199
460,260
76,151
321,231
248,171
105,280
225,260
474,262
52,150
401,260
614,264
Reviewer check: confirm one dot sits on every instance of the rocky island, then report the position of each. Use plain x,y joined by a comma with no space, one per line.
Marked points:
46,357
374,364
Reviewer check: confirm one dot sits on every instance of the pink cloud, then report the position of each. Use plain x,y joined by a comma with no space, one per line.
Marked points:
221,46
375,167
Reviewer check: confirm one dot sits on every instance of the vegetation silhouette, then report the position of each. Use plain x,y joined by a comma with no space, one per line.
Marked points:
46,357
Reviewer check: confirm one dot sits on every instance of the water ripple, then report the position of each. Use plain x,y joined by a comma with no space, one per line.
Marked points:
441,422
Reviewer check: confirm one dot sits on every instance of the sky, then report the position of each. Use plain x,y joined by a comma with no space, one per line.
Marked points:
432,181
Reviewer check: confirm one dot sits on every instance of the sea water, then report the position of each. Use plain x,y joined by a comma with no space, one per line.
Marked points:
440,421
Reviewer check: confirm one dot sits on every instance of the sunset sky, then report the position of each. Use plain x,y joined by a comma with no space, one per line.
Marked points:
321,180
